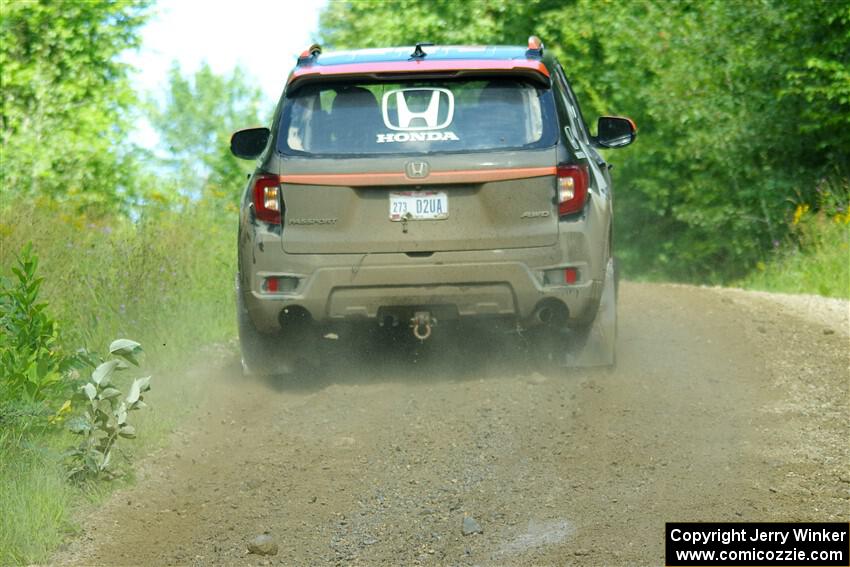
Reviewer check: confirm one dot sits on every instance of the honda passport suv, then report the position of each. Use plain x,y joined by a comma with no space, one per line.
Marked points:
413,187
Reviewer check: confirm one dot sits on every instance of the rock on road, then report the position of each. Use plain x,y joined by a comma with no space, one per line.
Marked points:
725,405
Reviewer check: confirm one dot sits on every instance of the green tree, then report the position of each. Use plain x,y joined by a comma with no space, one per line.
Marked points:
820,79
64,99
375,23
195,122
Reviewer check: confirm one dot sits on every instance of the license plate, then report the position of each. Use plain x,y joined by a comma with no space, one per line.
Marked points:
418,205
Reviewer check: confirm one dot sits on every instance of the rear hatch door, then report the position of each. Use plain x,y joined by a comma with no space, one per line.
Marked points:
421,165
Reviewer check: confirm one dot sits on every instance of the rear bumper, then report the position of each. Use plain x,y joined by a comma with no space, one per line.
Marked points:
343,287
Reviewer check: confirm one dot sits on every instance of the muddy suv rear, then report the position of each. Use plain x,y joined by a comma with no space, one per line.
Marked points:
403,190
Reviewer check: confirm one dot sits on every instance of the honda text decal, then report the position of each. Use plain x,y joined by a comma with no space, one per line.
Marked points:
418,115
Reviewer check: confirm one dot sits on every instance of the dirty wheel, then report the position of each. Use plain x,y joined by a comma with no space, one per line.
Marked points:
254,346
262,354
595,344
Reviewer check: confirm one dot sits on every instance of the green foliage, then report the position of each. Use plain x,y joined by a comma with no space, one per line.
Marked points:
33,378
195,123
740,105
64,100
104,418
33,365
376,23
819,266
814,256
822,77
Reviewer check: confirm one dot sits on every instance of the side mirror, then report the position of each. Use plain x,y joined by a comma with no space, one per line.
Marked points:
249,143
615,132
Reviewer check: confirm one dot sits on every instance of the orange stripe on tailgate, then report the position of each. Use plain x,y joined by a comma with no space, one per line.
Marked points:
436,177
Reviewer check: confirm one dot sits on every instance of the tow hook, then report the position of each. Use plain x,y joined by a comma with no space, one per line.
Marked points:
421,323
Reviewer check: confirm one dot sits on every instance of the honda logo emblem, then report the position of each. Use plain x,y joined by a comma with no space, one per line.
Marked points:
416,169
412,110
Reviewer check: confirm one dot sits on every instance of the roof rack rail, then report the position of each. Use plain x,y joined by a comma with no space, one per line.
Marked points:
309,54
535,47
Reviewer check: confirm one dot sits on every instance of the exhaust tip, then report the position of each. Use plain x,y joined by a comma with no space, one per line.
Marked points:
294,316
552,313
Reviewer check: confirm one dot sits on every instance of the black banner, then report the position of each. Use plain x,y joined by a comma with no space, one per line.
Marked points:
743,544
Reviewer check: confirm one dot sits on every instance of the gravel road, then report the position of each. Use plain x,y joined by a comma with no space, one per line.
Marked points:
725,405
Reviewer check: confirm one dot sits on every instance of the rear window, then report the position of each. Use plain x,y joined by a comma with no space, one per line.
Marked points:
416,117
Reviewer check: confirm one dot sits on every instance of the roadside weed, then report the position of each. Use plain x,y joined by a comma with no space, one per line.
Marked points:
104,419
815,257
33,364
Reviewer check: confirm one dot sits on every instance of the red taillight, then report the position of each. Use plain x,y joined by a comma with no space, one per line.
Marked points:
279,284
267,198
570,275
572,189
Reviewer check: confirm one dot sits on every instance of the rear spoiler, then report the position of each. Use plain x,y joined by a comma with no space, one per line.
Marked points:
533,70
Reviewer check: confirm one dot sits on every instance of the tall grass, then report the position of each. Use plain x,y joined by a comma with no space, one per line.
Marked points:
35,501
821,267
815,258
165,279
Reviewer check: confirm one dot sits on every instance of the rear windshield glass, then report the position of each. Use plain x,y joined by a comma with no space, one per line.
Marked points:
416,117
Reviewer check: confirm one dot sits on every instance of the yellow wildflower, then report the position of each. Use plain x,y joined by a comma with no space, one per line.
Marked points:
801,210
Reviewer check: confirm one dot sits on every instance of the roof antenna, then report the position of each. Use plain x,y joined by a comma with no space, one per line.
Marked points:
417,52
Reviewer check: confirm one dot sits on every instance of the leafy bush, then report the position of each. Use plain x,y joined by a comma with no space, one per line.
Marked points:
104,420
33,365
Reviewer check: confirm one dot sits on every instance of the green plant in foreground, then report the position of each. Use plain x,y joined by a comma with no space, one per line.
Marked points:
105,418
33,366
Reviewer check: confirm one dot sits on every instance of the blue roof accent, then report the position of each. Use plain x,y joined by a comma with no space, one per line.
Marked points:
434,53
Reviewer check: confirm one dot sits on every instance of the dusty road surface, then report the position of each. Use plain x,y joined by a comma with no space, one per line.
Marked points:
724,406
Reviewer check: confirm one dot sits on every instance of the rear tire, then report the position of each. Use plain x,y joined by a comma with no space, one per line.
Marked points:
263,354
594,343
253,345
